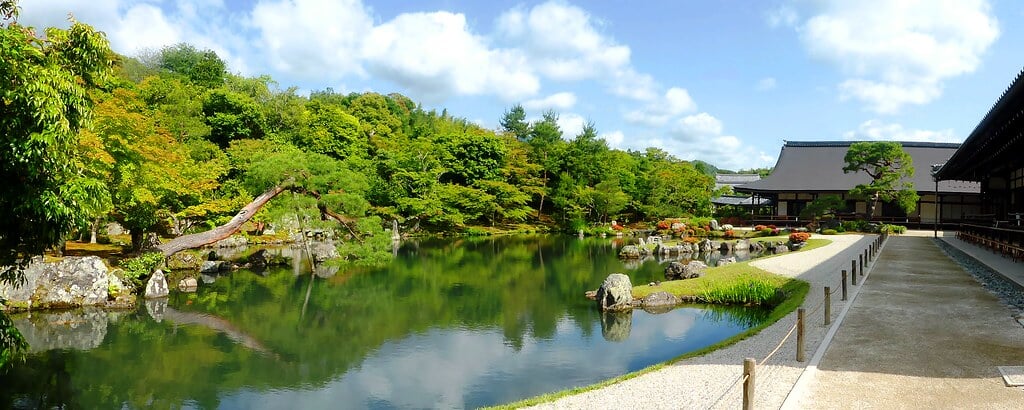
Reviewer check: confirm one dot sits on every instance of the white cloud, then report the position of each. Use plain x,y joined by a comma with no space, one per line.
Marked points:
557,101
435,54
614,138
571,124
676,101
877,130
896,53
698,125
312,39
767,83
782,16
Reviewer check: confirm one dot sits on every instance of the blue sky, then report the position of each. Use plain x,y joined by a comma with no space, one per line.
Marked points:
722,81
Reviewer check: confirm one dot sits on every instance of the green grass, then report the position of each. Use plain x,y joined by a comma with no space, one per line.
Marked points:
720,277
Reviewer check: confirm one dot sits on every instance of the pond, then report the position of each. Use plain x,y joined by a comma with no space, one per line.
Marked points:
450,323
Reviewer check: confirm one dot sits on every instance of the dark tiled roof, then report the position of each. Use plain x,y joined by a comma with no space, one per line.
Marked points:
734,179
987,141
817,166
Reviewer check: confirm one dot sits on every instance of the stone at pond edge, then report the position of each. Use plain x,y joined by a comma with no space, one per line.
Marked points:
156,286
630,252
741,245
677,270
659,302
727,261
615,293
188,284
70,283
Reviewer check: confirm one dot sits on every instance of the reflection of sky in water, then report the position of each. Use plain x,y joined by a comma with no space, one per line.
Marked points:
471,368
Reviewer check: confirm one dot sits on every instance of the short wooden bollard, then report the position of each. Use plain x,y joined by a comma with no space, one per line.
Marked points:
828,305
853,271
861,259
871,250
844,284
800,335
748,384
866,260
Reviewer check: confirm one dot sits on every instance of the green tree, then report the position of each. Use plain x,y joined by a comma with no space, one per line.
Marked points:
43,104
203,68
514,122
890,169
332,131
232,116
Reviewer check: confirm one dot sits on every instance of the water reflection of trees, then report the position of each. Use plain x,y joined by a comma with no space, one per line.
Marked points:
522,285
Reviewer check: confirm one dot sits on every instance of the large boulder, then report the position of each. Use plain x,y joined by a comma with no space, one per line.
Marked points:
705,246
727,261
188,285
214,266
615,293
741,245
156,286
714,225
725,247
756,247
692,270
675,271
72,282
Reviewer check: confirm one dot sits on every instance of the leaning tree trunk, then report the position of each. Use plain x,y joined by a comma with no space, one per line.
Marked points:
205,238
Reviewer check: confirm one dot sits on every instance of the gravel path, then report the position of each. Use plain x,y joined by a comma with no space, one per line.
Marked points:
712,380
1002,288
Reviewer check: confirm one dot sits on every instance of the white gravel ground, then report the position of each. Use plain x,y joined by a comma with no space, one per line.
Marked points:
711,381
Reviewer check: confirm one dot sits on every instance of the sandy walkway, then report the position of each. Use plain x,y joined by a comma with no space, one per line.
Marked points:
922,334
709,381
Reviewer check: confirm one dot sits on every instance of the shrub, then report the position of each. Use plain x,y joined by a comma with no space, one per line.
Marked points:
760,227
829,232
716,234
729,233
766,232
134,269
799,237
691,239
893,229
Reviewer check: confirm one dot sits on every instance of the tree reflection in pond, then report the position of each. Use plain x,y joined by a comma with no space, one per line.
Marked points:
449,323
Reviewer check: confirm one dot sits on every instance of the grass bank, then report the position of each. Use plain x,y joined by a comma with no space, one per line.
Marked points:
716,277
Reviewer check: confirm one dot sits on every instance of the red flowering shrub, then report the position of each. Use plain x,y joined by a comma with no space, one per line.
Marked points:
691,239
760,228
664,224
729,233
772,227
798,237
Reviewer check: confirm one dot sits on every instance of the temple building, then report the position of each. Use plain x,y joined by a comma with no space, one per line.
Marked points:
808,169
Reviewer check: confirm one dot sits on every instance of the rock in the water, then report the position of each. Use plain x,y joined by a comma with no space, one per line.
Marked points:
615,326
323,251
727,261
258,258
156,286
741,245
657,302
725,247
615,293
630,252
705,246
756,247
188,284
590,294
210,267
70,283
156,308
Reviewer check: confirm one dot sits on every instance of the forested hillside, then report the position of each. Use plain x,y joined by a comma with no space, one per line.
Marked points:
183,144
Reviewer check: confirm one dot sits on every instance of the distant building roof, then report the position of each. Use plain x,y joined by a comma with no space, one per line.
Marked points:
817,166
734,179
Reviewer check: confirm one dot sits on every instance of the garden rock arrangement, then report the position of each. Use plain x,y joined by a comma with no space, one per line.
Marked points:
156,286
70,283
659,302
615,293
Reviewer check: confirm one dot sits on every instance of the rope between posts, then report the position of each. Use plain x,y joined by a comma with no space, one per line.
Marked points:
779,346
729,389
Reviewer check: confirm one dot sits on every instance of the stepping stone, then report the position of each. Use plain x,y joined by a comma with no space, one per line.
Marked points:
1013,376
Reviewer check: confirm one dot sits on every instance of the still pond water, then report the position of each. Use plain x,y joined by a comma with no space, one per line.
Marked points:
448,324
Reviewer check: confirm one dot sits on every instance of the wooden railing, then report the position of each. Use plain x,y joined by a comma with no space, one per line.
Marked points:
1008,242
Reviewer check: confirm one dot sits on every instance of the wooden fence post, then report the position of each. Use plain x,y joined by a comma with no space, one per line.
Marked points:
853,271
828,305
861,259
748,385
800,335
844,284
